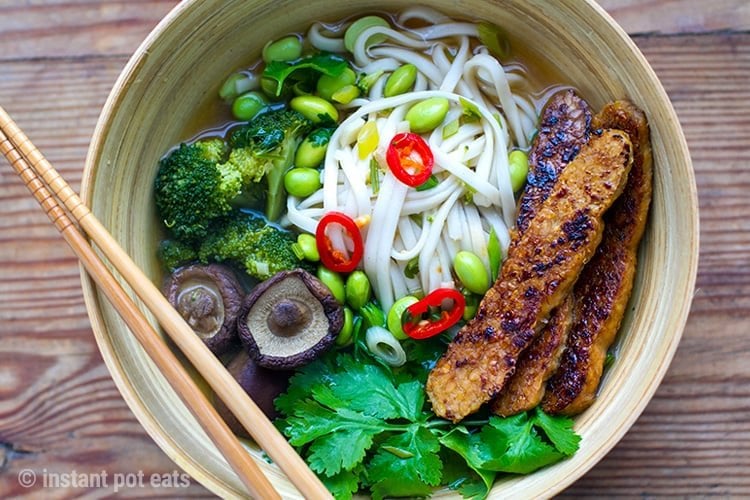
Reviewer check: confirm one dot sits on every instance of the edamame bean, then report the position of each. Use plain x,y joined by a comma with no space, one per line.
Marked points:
302,182
328,85
346,94
312,151
358,290
426,115
334,282
315,109
288,48
400,81
309,247
344,337
395,313
360,25
248,105
518,164
470,270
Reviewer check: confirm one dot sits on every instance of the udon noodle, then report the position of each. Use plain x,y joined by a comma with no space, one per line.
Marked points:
474,193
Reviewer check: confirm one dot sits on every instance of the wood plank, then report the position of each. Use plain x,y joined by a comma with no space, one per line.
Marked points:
59,409
679,16
77,27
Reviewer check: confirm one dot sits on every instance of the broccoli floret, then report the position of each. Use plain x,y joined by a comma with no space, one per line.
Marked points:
173,254
190,191
264,148
248,240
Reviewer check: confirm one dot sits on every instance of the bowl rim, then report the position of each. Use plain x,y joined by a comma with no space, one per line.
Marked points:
141,410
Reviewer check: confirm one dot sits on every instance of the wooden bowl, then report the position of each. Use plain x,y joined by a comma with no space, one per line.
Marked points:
179,68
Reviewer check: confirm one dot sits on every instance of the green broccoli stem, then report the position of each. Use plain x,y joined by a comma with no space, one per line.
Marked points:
276,199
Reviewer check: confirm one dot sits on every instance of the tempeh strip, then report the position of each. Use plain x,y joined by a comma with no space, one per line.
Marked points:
564,128
537,275
605,285
525,389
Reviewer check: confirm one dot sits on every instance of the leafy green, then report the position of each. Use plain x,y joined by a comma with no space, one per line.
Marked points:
413,470
514,444
322,62
363,425
559,430
342,485
458,476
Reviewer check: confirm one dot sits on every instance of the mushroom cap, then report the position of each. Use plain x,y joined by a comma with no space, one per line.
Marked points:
209,298
289,320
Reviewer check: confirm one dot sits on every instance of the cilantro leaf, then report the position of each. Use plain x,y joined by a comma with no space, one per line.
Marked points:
407,464
301,384
345,413
504,445
343,449
342,485
526,451
471,448
458,476
312,420
559,430
370,389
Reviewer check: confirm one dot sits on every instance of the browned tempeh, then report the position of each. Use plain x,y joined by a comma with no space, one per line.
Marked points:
604,288
564,128
536,276
536,364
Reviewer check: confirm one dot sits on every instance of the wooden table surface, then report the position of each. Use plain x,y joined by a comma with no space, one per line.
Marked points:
60,412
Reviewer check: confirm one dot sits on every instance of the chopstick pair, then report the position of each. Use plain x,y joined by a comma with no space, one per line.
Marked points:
47,186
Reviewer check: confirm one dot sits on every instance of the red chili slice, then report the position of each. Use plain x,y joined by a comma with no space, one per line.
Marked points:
333,259
427,318
410,159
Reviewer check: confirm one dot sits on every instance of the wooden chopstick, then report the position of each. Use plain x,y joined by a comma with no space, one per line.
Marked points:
241,461
220,380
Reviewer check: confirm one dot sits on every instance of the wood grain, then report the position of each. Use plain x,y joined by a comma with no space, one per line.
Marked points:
60,411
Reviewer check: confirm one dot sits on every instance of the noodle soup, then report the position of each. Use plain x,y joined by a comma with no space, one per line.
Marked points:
380,158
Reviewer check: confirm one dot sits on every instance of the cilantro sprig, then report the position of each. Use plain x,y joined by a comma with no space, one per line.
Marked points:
361,425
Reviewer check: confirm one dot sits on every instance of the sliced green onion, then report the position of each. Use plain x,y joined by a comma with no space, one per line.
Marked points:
495,254
428,184
494,39
450,129
412,268
384,345
359,26
297,249
471,111
374,176
366,81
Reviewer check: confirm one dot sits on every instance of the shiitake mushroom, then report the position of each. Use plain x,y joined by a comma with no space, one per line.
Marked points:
289,320
209,298
261,384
